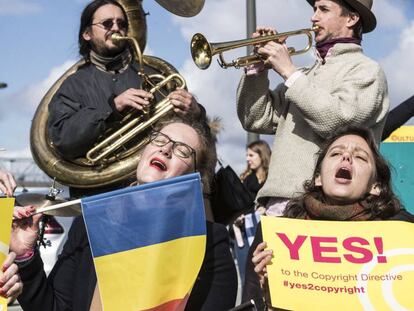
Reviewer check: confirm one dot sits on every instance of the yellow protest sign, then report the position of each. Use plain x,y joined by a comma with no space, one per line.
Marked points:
6,216
331,265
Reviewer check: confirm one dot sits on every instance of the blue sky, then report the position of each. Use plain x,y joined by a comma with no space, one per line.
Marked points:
39,41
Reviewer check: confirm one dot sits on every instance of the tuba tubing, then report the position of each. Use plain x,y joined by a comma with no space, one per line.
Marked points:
79,173
71,173
135,126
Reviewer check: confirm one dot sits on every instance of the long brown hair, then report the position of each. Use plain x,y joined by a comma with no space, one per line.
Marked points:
383,206
263,150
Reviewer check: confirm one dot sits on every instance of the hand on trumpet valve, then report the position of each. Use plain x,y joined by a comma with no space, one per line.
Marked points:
258,67
275,53
134,98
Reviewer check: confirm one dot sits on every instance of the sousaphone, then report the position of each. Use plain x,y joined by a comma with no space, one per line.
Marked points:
83,173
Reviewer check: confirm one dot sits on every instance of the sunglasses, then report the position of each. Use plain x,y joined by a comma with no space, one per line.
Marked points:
107,24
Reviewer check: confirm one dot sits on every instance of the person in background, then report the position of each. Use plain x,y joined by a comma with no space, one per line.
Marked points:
343,87
351,182
258,157
175,148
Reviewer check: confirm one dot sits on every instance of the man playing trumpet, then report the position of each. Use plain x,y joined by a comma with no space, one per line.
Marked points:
342,87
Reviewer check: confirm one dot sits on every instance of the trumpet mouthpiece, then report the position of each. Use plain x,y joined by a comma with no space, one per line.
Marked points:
315,27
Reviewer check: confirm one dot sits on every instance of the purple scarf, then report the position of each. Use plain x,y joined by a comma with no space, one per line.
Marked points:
325,46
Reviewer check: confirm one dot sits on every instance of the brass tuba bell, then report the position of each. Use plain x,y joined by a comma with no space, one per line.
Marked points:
113,160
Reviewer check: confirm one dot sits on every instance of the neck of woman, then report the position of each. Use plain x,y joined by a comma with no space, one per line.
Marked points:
260,174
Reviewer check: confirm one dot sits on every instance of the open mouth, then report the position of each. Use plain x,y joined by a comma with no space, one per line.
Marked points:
158,164
344,173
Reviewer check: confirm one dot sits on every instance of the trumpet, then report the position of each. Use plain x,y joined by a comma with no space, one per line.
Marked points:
202,51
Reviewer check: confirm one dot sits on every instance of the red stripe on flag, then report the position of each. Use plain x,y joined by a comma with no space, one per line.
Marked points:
172,305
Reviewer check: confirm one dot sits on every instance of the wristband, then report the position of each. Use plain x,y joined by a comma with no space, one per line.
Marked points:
26,256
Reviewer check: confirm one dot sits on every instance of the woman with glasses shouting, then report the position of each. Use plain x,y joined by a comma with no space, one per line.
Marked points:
176,148
89,101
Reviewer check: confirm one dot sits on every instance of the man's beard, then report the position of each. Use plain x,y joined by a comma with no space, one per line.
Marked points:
101,49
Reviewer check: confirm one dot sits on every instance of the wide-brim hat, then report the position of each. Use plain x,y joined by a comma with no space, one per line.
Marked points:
363,7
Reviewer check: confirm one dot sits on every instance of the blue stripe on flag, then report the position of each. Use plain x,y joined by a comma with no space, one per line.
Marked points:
121,220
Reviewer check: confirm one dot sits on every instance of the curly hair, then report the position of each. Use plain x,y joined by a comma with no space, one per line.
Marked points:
383,206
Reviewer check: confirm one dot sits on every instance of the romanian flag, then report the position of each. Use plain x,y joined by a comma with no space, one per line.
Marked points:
148,243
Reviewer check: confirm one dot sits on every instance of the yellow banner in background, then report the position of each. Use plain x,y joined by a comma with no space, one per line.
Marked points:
6,216
404,134
331,265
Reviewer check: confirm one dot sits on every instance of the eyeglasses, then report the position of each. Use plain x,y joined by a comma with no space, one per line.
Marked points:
180,149
109,23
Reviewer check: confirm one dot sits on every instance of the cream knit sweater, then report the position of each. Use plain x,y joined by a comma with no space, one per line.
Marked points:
349,88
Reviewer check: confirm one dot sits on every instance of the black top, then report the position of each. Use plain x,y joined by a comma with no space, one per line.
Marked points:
252,184
252,290
72,281
83,108
398,116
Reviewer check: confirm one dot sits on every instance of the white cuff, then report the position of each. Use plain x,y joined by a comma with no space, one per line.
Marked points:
292,79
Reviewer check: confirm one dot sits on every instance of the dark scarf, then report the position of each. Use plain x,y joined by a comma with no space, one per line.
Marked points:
318,210
114,64
324,47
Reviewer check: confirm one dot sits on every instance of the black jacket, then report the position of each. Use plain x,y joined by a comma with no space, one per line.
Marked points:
82,109
71,284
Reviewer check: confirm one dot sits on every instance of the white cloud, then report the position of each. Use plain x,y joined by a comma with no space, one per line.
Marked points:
225,20
399,67
18,7
16,122
390,14
149,51
215,89
29,98
12,154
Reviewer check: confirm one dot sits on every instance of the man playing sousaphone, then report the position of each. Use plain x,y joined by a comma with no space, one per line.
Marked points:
342,87
92,99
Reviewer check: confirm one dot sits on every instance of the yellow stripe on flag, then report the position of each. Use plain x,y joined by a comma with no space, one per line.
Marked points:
153,274
6,216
